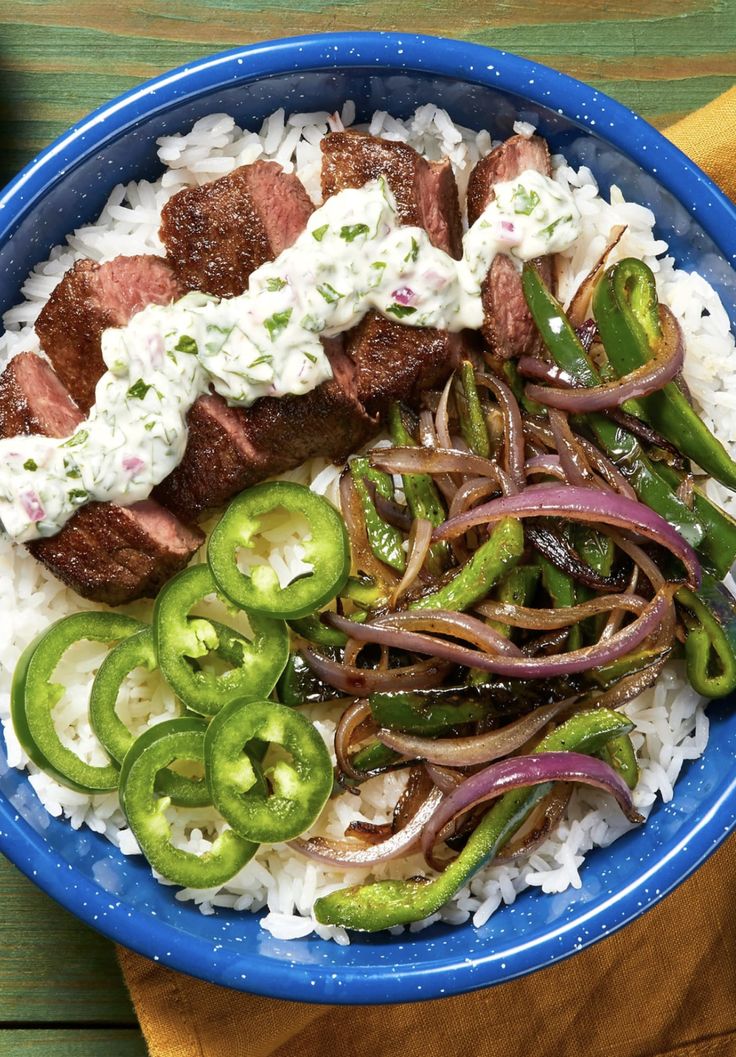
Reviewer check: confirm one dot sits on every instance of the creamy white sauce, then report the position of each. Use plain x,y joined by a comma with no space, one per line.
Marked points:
354,256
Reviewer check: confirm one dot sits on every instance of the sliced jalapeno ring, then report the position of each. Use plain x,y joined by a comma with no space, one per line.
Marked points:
326,549
136,651
300,788
34,695
180,640
156,749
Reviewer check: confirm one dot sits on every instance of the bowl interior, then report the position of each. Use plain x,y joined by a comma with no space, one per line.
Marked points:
117,894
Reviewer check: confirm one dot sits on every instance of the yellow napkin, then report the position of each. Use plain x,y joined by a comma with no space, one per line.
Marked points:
665,986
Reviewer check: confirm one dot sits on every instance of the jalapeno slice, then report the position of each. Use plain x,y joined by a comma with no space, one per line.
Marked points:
156,749
326,549
33,697
300,788
180,640
136,651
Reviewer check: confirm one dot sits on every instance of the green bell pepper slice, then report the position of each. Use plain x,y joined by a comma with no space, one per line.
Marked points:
387,903
492,560
298,685
625,450
33,697
149,756
326,548
472,419
417,712
710,647
626,311
620,754
180,641
300,787
421,493
137,651
385,540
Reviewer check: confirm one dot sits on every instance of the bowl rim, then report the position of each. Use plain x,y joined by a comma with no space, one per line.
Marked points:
634,137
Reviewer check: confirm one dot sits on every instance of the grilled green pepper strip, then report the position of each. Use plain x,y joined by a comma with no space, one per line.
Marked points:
298,685
363,591
299,788
516,384
481,571
387,903
472,420
326,548
710,647
607,675
312,629
421,713
718,550
385,540
181,640
373,757
620,754
517,587
563,592
152,752
134,652
627,314
33,696
620,445
422,496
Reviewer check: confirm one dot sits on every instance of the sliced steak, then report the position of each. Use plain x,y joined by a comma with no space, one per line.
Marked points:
105,552
231,448
425,192
90,298
217,234
114,554
508,328
396,362
33,400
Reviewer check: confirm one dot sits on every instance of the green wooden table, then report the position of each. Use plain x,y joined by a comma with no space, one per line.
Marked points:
60,988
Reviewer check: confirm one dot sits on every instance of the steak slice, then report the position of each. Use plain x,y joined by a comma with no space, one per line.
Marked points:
104,552
231,448
396,362
33,400
217,234
425,192
508,325
114,554
90,298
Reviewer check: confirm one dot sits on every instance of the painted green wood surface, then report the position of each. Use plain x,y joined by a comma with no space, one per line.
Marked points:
61,994
60,1042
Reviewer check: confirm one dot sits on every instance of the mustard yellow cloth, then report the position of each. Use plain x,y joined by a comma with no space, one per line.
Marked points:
665,986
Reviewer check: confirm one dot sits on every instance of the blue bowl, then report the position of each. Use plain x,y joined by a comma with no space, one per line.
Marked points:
67,185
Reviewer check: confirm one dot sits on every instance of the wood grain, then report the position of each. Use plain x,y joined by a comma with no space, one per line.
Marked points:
53,968
61,994
61,58
60,1042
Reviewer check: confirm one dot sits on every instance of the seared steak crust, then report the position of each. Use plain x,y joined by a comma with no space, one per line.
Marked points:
90,298
508,326
217,234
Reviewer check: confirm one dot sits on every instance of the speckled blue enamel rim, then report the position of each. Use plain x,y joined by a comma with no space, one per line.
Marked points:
428,978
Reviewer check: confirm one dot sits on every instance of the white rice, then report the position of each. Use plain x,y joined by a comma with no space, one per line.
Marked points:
671,725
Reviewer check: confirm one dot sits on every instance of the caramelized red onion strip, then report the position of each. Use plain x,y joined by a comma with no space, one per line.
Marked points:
357,682
363,556
352,718
517,772
434,461
513,431
575,503
565,616
420,539
633,635
346,855
440,622
664,365
480,748
576,313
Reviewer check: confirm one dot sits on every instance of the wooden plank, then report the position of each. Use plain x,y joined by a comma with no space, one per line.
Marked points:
660,58
53,968
75,1042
